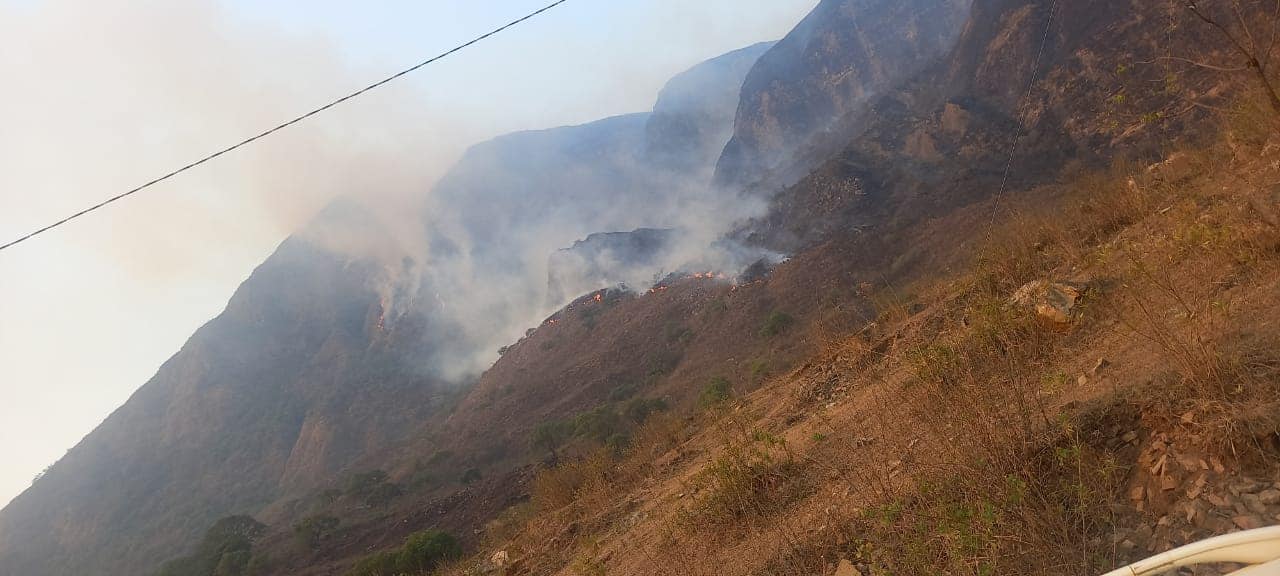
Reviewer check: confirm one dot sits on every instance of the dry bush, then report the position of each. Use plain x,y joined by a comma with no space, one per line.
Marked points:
754,476
1043,513
572,482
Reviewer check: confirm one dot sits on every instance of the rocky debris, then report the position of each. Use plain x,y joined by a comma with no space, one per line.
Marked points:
1179,497
1052,301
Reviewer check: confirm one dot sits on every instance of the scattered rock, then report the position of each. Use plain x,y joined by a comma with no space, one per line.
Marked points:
1137,493
1269,497
1129,436
499,559
1053,301
1246,487
846,568
1254,503
1247,522
955,119
1099,366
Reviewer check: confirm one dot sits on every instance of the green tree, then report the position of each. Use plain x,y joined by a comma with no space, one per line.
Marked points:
552,435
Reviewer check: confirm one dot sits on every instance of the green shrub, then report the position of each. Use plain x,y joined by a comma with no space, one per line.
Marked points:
552,435
425,550
314,529
597,424
372,488
421,553
759,370
716,392
639,409
377,564
471,476
225,550
617,444
777,323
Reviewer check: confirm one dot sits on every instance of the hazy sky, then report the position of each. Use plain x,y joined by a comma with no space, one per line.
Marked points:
101,95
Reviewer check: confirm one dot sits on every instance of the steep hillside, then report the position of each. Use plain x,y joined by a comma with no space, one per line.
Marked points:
946,137
970,429
799,97
324,365
892,395
305,370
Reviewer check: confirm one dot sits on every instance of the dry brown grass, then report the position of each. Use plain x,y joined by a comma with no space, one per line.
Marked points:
960,453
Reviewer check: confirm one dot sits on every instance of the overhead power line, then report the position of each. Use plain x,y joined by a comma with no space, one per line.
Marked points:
1017,137
285,124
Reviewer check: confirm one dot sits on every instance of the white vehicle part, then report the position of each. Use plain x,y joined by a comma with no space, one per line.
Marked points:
1260,548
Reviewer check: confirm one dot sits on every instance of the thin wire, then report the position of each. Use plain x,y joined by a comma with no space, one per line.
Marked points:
287,124
1017,138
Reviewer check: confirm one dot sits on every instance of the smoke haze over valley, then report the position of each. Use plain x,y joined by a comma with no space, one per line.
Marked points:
786,287
119,293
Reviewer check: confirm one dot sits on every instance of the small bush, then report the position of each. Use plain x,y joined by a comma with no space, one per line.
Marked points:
421,553
226,550
755,476
372,488
716,392
471,476
312,530
639,409
597,424
777,323
759,370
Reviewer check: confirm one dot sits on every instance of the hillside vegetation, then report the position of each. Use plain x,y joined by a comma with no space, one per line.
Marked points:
963,432
1026,324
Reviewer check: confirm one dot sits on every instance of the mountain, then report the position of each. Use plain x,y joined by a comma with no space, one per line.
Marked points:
944,138
875,146
307,368
510,203
799,97
324,360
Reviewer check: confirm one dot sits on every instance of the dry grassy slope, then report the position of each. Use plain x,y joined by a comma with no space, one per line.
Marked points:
875,456
930,148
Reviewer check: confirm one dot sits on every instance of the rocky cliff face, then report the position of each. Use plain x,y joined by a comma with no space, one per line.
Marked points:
945,137
801,94
304,371
693,118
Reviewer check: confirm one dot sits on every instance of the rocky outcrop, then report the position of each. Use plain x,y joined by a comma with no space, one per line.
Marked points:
1073,89
799,99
